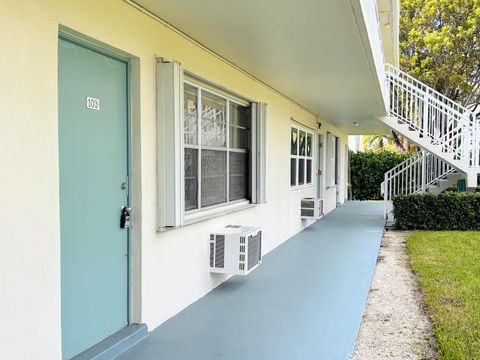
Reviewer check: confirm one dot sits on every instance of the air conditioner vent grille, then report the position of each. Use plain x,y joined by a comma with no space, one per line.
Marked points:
220,251
212,253
308,212
307,203
254,249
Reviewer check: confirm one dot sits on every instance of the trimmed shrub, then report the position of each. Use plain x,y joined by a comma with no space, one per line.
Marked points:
446,211
367,172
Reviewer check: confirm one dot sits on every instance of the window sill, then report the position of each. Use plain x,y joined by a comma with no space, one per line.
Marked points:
195,216
301,187
332,187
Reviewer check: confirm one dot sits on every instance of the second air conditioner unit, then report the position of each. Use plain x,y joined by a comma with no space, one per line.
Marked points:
235,249
311,208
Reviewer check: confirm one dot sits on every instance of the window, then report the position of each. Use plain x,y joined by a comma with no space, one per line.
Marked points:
211,148
301,156
216,148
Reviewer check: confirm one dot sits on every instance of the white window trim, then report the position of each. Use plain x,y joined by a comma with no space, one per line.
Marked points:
169,134
171,214
197,215
259,153
310,131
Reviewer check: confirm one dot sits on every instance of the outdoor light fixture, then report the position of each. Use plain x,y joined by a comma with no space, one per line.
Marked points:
355,123
389,20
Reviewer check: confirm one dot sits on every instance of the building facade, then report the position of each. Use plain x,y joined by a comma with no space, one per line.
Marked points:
117,104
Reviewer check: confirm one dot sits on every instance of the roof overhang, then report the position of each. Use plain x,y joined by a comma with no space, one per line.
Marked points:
325,55
389,21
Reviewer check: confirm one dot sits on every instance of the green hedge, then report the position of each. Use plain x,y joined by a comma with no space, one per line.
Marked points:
446,211
367,171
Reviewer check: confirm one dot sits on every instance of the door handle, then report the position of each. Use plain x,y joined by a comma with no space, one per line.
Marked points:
125,217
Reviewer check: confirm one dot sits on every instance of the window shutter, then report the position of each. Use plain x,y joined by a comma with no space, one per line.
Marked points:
258,153
170,181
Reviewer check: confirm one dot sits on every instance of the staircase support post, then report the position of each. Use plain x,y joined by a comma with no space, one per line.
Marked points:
473,144
472,181
467,141
424,171
425,115
385,195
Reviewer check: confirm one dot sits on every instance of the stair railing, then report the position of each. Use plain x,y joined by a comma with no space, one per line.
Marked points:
436,169
436,117
413,175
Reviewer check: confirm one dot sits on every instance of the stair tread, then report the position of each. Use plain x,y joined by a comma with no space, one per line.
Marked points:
415,136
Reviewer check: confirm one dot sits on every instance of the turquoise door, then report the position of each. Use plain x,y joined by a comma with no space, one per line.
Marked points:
93,151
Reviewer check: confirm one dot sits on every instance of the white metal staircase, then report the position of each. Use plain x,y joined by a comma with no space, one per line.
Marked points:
423,172
447,132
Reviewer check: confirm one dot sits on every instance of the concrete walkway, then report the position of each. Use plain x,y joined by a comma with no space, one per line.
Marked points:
304,302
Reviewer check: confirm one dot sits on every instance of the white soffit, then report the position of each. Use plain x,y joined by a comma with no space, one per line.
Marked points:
389,18
309,50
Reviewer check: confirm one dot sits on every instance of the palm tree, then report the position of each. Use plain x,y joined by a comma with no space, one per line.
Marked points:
391,142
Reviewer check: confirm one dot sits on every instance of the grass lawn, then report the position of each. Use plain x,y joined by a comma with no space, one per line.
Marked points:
448,266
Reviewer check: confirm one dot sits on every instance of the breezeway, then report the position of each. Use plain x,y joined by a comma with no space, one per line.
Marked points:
304,302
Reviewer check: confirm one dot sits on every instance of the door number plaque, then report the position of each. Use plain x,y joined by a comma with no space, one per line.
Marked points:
92,103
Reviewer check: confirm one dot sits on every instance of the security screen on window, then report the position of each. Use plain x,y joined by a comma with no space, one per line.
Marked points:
216,148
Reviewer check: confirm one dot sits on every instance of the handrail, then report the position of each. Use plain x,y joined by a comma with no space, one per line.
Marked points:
390,69
462,113
436,117
449,126
401,165
414,175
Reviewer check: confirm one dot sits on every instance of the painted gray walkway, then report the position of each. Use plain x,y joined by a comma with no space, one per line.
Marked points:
304,302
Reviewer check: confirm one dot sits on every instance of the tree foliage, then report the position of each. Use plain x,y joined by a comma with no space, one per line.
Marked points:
392,142
378,143
367,171
439,44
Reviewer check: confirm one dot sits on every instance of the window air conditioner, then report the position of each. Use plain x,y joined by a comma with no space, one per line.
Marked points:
311,208
235,249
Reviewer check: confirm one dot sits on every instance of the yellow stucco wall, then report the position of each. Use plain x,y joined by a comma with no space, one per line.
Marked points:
29,211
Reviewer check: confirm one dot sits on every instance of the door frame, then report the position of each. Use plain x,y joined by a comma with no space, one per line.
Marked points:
320,141
133,161
346,181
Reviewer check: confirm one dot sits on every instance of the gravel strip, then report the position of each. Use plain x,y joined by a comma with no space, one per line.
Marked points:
395,324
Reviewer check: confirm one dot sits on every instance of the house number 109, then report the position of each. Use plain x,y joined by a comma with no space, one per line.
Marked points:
93,103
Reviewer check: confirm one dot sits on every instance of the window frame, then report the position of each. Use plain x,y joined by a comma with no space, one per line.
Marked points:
170,150
209,88
297,156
